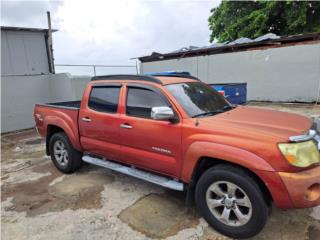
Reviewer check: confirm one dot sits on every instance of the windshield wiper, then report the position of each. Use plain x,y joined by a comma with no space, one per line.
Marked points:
207,113
211,113
227,107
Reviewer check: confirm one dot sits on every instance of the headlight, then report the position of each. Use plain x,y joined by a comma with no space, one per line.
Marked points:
302,154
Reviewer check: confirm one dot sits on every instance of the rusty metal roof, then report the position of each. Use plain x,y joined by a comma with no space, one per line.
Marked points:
269,40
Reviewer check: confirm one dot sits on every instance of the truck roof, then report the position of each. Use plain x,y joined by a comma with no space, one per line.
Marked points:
162,79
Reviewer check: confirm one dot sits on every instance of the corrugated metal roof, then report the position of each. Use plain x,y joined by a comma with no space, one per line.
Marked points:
240,44
240,40
267,36
185,49
26,29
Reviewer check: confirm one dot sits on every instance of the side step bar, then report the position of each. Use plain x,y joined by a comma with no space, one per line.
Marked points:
147,176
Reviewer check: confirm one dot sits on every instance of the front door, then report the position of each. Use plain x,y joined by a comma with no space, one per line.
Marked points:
99,121
145,142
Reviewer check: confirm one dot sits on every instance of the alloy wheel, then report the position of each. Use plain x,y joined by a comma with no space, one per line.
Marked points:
60,153
229,203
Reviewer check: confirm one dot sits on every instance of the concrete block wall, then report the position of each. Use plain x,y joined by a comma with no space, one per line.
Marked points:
282,74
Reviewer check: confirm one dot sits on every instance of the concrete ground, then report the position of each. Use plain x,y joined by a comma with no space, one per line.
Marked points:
38,202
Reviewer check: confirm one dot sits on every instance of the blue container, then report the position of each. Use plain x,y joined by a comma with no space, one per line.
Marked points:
235,93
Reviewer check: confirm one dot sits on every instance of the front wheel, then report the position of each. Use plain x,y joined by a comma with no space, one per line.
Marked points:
231,201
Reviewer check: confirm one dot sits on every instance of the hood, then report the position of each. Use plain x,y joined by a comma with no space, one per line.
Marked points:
262,122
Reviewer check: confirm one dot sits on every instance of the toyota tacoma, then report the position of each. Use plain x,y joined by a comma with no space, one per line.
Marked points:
234,162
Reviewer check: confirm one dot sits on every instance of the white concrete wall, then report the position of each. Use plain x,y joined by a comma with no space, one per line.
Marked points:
23,53
284,74
78,85
19,94
25,79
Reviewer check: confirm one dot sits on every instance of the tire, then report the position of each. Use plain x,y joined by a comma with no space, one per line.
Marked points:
69,159
212,189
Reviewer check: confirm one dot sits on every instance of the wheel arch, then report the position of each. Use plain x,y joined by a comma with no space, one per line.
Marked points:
55,128
205,162
227,154
51,129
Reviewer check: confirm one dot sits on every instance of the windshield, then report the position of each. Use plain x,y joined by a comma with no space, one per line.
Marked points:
198,99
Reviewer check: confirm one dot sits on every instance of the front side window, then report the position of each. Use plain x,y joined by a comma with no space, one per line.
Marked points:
140,101
198,99
104,99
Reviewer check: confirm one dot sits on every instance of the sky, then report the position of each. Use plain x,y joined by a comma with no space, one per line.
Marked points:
113,31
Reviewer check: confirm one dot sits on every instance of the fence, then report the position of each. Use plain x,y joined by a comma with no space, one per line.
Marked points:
96,69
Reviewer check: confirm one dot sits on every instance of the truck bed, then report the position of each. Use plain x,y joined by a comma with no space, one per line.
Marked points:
69,104
66,112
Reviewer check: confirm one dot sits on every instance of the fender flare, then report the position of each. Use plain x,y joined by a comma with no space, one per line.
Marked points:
228,153
66,124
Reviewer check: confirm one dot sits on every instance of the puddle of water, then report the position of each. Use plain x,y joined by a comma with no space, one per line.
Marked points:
159,215
37,197
313,233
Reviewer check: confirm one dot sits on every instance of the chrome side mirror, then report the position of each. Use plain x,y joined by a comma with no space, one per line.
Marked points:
162,113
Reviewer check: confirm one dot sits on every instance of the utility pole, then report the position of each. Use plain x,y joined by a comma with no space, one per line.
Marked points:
50,49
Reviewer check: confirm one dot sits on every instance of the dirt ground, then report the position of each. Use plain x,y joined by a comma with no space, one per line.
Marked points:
38,202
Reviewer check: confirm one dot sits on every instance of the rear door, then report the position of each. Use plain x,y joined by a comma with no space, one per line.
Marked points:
147,143
99,121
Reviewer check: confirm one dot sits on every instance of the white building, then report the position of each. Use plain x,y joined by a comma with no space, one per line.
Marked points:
26,66
284,69
25,51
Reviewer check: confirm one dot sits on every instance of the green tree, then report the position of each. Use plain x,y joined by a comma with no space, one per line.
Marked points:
235,19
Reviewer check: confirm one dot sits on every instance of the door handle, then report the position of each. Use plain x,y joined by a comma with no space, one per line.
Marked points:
86,119
126,125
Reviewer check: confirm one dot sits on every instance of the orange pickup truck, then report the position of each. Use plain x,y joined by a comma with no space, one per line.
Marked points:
177,132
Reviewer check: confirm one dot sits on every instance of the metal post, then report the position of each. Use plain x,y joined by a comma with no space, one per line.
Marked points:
137,69
94,70
318,97
50,50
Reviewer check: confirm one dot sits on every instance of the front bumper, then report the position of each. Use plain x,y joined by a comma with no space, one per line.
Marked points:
303,187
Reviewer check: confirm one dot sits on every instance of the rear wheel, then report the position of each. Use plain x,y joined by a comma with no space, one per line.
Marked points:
63,155
231,201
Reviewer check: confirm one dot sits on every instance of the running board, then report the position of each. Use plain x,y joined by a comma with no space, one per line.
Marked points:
144,175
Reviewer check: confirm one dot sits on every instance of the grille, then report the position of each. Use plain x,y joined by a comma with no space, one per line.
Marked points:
316,125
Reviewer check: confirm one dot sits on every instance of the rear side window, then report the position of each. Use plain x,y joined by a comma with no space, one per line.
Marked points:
140,102
104,99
